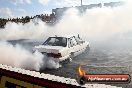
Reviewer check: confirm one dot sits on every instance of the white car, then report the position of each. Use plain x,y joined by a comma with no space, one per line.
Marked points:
63,48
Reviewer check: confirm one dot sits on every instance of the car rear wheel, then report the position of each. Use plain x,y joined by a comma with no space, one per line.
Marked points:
68,60
71,57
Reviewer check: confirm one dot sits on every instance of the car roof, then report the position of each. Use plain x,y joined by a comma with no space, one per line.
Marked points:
66,36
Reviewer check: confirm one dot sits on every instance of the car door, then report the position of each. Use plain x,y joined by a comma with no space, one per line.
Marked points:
71,46
74,47
78,46
81,44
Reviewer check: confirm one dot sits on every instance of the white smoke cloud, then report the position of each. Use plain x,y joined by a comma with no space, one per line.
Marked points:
98,24
14,31
95,24
20,57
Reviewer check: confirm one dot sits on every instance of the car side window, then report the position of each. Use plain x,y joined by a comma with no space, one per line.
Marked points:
79,40
73,42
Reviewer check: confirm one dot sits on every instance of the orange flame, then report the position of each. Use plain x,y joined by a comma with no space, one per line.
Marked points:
81,70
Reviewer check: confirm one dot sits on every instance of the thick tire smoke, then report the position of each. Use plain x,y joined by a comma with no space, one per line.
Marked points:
20,57
99,25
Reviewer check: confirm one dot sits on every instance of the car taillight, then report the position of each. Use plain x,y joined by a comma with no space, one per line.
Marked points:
54,55
57,55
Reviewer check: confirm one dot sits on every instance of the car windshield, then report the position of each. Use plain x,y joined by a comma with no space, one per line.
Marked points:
56,41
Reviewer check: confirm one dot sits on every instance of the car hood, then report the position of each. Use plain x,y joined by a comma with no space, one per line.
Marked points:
49,49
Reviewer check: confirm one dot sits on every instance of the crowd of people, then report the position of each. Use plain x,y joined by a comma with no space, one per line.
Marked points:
44,17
